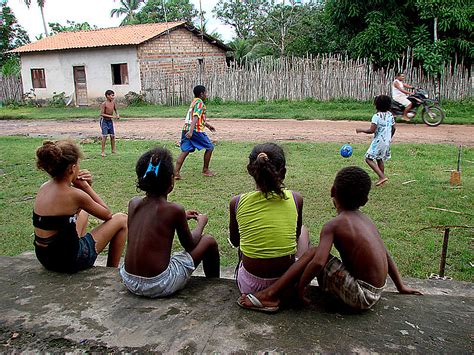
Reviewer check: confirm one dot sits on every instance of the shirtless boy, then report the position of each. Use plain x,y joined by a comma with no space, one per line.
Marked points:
107,110
359,279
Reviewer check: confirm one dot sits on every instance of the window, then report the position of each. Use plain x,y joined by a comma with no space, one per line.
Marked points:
119,74
37,78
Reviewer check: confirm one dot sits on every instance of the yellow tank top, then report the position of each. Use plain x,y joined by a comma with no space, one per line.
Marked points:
267,227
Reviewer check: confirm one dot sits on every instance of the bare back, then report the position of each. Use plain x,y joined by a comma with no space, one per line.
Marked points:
360,246
152,222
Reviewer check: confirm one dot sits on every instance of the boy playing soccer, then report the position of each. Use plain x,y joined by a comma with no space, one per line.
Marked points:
359,279
193,136
107,110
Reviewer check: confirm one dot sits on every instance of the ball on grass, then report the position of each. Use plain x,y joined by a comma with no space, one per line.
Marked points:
346,151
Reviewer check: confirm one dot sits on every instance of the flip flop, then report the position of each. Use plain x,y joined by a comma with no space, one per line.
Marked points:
257,305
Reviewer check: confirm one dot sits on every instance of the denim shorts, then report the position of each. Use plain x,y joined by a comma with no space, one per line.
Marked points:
107,126
86,254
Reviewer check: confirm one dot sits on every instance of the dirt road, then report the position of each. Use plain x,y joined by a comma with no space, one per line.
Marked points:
240,130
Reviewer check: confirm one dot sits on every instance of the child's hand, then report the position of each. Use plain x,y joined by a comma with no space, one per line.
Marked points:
118,116
211,128
302,295
189,134
409,291
85,175
357,130
192,214
80,184
202,218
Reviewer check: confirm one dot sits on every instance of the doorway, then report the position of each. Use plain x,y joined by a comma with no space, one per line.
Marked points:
80,85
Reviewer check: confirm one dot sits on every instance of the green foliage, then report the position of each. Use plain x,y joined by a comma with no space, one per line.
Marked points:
70,26
176,10
11,66
245,16
57,100
135,99
127,8
12,35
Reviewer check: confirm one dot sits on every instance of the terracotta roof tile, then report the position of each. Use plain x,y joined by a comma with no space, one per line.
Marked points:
104,37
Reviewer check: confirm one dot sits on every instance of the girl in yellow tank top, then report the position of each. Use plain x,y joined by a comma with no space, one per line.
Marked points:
266,224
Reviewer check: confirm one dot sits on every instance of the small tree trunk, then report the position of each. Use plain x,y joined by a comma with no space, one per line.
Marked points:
44,21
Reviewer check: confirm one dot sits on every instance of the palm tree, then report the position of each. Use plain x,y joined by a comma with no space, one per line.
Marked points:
128,8
41,6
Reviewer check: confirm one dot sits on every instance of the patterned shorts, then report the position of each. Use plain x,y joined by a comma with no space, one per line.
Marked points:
357,294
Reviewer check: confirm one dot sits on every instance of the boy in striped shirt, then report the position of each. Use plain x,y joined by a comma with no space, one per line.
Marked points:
193,136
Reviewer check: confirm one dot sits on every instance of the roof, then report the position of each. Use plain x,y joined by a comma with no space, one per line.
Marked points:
107,37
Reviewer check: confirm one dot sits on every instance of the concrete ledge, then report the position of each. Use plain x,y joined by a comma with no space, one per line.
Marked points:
92,311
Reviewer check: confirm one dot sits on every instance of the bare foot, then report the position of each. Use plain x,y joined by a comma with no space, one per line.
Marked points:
178,177
406,119
208,173
178,143
102,154
381,181
114,152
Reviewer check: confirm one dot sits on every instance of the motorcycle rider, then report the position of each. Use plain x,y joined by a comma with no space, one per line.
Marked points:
400,94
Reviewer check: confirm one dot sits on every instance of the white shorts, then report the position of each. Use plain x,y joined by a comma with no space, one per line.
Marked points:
173,279
402,99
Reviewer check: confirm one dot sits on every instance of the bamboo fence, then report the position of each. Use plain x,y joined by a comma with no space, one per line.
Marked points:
10,88
322,77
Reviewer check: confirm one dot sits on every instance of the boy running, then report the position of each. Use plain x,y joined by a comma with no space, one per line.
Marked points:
107,110
359,279
193,136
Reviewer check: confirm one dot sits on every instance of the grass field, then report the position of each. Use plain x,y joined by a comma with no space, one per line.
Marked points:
456,112
399,210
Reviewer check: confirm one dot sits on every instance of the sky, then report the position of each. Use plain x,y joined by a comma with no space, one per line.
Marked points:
95,12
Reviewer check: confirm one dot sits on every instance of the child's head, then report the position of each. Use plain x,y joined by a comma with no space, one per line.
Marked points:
155,172
267,166
200,91
383,103
109,94
56,158
400,76
351,188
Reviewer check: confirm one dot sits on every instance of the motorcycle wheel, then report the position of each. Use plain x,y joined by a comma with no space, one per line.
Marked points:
432,115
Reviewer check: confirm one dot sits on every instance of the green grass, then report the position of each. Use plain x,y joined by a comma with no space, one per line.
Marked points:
400,211
456,112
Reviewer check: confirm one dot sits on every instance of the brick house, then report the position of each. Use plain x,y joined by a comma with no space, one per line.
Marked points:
83,64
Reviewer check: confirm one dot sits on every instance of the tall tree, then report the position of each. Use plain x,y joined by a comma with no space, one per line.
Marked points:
245,16
12,35
166,10
56,27
40,4
127,8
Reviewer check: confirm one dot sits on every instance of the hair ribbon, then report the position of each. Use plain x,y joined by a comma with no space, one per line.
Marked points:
152,167
262,155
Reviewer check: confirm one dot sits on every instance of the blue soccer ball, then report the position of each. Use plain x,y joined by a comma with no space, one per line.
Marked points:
346,151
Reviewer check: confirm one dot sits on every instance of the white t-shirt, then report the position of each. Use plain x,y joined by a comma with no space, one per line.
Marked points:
395,91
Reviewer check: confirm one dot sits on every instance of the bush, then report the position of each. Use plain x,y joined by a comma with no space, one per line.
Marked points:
58,100
216,100
135,99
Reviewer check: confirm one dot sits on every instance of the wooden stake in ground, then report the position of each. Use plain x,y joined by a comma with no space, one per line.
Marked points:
455,179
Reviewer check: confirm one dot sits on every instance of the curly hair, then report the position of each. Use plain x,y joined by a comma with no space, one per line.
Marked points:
267,166
56,157
148,181
351,187
382,103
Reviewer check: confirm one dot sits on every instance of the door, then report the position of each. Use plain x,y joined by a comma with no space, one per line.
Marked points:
80,86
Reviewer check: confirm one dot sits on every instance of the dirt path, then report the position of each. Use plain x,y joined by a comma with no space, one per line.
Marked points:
241,130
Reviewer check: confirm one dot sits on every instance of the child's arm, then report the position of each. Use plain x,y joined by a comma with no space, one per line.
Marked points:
299,201
189,239
371,130
397,280
211,128
189,134
88,200
117,116
320,258
393,130
233,225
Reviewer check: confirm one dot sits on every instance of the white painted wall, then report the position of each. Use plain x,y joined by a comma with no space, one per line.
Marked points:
58,67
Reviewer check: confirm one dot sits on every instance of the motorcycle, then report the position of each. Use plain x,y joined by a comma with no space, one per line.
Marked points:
432,114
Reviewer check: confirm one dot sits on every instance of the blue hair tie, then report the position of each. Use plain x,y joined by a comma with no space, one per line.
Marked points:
152,167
